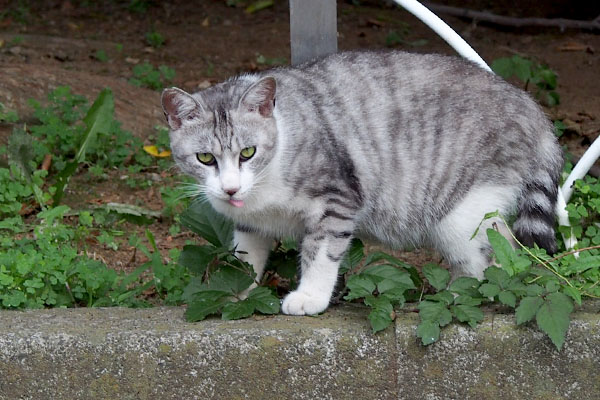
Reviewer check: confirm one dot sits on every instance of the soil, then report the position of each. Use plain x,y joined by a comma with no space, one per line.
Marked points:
45,44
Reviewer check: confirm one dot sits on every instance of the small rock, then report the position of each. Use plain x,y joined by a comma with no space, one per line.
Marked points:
15,50
155,177
205,22
148,49
205,84
131,60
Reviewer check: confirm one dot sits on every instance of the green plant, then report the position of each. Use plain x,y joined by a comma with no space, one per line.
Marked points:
145,75
262,60
395,38
154,39
62,126
7,116
529,71
139,6
538,287
44,269
220,280
101,55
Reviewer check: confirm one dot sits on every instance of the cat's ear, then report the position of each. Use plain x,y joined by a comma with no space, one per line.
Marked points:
177,106
260,97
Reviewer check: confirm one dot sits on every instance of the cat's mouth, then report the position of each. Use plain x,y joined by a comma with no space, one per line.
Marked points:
236,203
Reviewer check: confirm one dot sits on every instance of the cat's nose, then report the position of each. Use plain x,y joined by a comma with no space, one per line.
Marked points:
231,191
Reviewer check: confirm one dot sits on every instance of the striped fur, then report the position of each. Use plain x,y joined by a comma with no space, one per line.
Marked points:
406,149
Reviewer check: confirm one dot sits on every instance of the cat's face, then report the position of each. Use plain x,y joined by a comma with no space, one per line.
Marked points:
226,145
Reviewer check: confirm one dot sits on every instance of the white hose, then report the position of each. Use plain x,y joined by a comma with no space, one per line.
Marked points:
466,51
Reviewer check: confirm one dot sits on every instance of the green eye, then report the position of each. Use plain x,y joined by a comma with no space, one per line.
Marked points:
206,158
247,153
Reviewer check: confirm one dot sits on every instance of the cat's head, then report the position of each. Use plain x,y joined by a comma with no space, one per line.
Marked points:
225,137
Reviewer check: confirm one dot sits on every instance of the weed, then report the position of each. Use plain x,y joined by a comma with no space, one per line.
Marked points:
139,6
101,56
145,75
529,71
8,116
270,61
395,38
154,39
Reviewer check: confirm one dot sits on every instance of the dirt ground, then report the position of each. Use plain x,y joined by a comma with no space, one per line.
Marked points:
44,44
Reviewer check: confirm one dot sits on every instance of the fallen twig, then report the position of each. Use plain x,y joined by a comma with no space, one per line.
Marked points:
47,161
484,16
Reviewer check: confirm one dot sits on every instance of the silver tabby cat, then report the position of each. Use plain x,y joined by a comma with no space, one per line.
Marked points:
405,149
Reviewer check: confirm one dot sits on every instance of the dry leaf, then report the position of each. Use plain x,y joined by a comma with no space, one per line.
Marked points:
153,151
572,46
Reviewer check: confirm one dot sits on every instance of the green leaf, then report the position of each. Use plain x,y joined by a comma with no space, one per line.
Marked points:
98,119
353,256
359,286
263,300
496,276
573,293
435,312
553,317
429,332
534,290
503,250
202,219
465,285
527,309
549,77
196,258
489,290
469,314
388,277
230,280
200,309
503,67
259,5
377,256
508,298
522,68
583,263
436,276
443,296
468,300
381,313
237,310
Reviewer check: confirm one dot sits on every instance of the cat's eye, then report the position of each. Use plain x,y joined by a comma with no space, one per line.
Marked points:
206,158
247,153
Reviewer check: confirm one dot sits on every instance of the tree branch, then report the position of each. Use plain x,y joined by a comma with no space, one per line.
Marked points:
484,16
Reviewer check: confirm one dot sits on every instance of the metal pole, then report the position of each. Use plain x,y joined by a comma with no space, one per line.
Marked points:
313,29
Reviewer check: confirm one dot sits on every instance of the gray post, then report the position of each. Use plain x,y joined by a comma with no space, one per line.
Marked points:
313,29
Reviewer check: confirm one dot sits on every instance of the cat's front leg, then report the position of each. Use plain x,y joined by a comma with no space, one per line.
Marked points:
254,249
322,251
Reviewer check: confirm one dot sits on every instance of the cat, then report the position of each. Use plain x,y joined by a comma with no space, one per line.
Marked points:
405,149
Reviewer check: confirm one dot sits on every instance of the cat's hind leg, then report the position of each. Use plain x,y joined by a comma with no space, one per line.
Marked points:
453,235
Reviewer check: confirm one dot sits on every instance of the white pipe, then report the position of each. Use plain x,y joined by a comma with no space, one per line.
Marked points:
465,50
442,29
581,168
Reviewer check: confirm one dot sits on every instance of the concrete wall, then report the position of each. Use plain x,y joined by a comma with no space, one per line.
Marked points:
121,353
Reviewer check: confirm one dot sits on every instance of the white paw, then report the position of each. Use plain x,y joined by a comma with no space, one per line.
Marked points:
302,303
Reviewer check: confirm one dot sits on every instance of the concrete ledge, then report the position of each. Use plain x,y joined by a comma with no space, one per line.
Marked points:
121,353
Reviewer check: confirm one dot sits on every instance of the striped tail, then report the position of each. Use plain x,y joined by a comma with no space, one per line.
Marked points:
536,214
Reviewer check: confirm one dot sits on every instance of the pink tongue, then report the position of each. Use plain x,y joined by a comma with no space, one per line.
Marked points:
236,203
